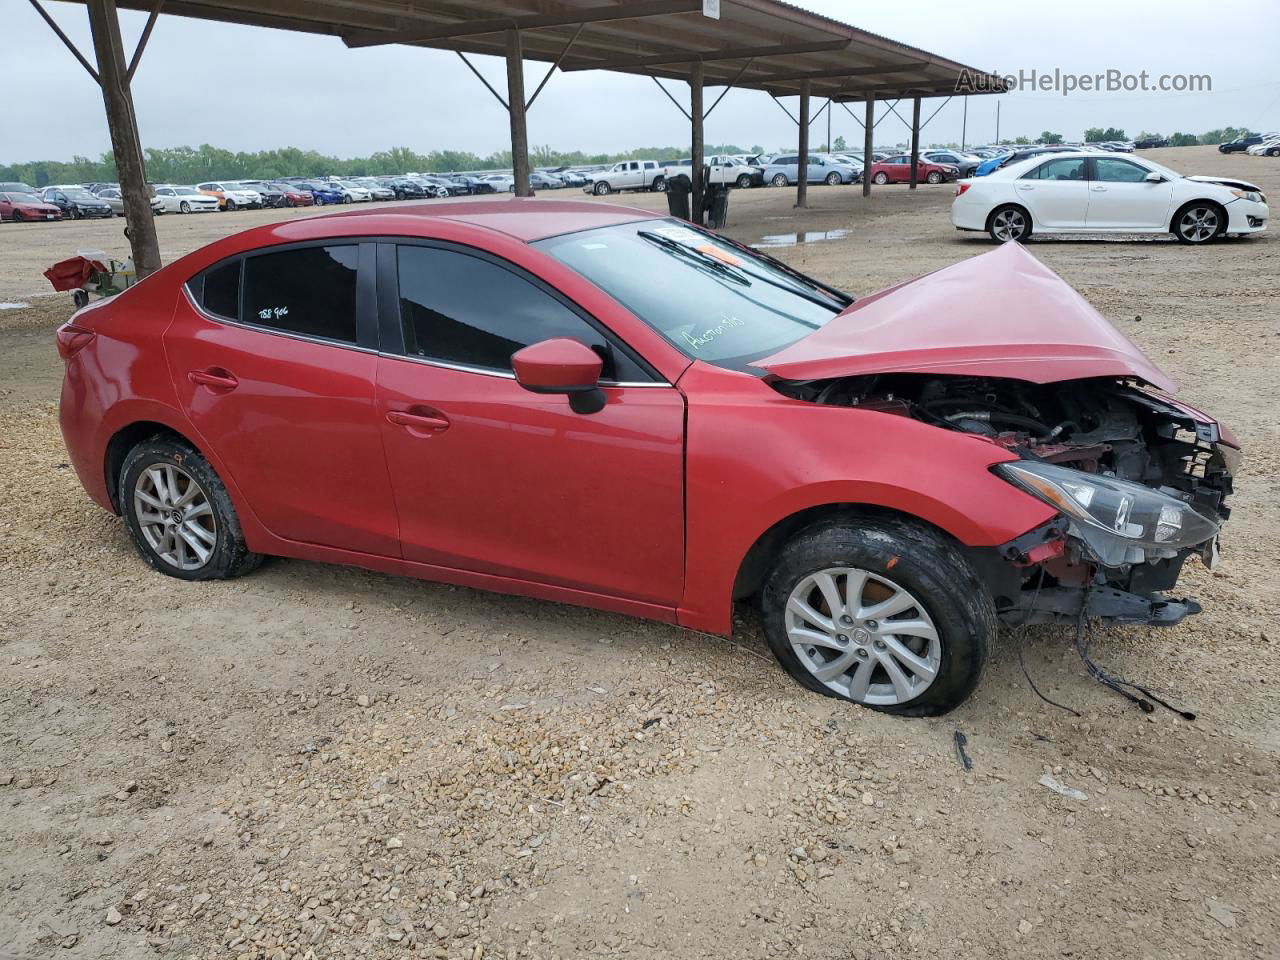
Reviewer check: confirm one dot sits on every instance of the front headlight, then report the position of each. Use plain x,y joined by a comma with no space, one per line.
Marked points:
1248,195
1114,516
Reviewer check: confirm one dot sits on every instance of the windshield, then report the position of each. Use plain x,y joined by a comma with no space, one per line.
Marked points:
185,191
714,300
21,198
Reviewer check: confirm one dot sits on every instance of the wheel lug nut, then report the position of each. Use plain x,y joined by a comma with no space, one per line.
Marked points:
872,625
847,620
879,644
842,639
862,654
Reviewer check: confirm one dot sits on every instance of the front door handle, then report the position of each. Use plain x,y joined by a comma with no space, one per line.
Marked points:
1099,189
433,422
215,378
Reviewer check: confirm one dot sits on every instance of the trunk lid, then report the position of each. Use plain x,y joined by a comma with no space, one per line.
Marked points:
999,314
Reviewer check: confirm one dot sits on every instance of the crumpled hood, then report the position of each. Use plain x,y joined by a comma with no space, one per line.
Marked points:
1000,314
1229,182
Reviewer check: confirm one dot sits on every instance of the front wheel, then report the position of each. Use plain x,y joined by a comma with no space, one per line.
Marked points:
881,178
601,188
833,179
780,180
231,206
744,181
883,612
934,177
184,207
1199,223
179,514
1009,223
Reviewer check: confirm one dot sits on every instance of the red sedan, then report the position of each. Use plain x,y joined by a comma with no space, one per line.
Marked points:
583,403
26,206
294,195
897,169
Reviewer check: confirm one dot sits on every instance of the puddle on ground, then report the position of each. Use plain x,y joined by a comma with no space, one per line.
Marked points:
791,239
14,306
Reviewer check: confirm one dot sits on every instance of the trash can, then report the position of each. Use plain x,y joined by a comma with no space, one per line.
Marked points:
678,190
715,201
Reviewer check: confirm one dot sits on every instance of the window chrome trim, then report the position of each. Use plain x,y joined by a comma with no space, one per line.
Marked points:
504,374
272,331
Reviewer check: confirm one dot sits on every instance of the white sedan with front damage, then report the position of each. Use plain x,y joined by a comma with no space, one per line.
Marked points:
1098,192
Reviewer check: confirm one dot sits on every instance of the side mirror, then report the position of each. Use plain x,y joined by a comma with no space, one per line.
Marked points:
1153,177
562,365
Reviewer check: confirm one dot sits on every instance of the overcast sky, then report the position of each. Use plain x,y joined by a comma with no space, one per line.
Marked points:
248,89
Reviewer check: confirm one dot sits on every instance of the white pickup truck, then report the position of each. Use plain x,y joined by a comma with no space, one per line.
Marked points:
625,175
721,169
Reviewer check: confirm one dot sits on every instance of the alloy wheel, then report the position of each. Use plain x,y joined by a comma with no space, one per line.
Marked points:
1009,225
1199,224
863,636
175,516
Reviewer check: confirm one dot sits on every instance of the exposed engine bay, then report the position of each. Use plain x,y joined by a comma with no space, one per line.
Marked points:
1139,479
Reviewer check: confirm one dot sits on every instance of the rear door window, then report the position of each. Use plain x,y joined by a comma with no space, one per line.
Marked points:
309,291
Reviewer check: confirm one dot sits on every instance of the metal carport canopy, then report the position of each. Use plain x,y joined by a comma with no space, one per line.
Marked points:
763,45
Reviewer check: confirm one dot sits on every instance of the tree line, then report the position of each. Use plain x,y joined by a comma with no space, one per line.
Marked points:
1106,134
207,162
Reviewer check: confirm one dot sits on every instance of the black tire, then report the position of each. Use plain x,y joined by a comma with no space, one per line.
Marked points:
744,181
934,177
1019,221
231,205
659,185
881,178
780,180
19,216
915,558
346,198
229,556
833,179
184,207
1205,209
601,188
1274,152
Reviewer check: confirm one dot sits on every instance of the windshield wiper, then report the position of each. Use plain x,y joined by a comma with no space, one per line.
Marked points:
719,267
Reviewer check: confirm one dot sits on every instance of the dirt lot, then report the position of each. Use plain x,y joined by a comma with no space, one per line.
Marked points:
318,761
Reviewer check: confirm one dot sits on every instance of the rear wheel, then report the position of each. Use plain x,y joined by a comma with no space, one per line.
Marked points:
179,513
659,184
883,612
881,178
1009,223
601,188
780,180
18,216
231,204
1199,222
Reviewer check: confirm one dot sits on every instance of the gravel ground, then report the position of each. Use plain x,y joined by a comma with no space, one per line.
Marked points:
323,762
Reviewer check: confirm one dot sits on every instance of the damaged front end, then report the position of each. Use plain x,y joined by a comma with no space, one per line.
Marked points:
1139,481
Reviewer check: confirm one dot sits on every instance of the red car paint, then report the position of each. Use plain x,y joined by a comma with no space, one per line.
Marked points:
14,209
1001,314
901,172
295,197
647,507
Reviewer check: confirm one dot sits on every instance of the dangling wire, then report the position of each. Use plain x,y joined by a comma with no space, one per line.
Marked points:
1022,642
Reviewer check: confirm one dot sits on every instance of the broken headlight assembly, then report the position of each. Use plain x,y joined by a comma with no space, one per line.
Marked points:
1120,521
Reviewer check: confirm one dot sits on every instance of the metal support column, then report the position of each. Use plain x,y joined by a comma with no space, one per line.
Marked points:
915,141
126,147
516,109
696,117
802,173
868,138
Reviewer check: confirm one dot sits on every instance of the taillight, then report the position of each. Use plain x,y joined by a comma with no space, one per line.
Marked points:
72,339
961,188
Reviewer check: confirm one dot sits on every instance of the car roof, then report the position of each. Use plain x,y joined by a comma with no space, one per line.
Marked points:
524,219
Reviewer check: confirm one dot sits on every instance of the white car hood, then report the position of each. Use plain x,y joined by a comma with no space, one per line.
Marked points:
1228,182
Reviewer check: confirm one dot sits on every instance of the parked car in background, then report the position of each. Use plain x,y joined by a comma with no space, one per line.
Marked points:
626,175
1150,143
720,169
897,169
294,194
20,206
405,188
115,199
177,199
231,196
76,202
1015,156
351,192
1269,146
501,182
377,189
17,186
272,196
1240,144
322,192
1098,192
784,170
965,163
433,186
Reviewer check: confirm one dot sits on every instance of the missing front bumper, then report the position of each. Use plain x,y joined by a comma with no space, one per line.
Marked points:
1063,605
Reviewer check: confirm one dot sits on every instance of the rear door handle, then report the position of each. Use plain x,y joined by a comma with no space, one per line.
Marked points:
215,378
434,422
1025,186
1099,189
